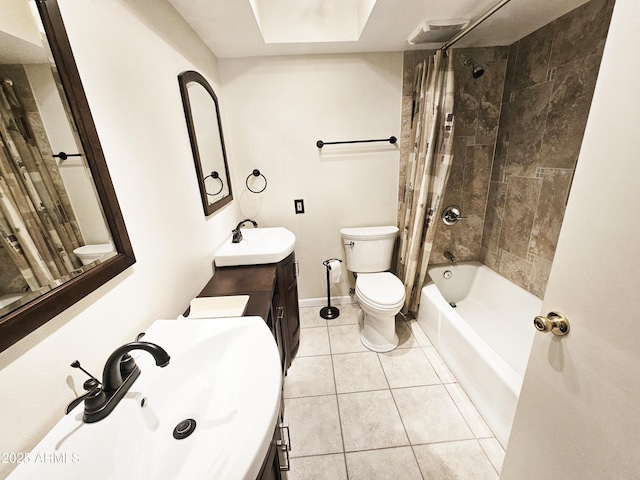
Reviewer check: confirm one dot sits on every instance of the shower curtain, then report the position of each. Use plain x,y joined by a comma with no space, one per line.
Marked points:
427,170
37,225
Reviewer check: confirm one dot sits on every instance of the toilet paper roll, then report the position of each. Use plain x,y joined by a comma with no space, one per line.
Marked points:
336,271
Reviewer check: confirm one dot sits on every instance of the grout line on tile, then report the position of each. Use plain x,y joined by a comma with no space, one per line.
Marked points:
404,427
497,463
335,386
464,417
474,410
385,376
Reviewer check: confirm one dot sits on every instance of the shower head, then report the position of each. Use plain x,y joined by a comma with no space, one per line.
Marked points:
476,70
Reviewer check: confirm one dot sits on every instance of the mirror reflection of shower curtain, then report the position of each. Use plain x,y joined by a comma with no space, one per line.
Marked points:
37,224
427,171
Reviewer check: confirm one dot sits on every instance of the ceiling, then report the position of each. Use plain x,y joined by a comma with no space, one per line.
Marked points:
230,28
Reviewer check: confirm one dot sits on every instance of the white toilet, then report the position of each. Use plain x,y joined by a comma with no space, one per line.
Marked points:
90,253
380,293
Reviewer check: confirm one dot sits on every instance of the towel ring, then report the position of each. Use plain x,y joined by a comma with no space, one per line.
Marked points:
215,176
256,173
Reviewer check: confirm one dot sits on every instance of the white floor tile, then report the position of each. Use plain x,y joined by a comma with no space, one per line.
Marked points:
494,451
318,467
348,315
313,341
384,464
346,339
475,421
310,376
438,365
384,403
463,460
314,425
408,368
310,317
358,372
370,420
429,415
405,338
418,333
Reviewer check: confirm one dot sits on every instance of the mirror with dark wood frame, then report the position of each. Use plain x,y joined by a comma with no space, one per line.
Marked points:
207,142
47,260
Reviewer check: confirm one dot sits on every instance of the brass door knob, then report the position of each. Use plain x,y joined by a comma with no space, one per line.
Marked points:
554,322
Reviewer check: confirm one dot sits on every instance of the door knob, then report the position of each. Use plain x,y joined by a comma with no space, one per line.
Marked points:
554,322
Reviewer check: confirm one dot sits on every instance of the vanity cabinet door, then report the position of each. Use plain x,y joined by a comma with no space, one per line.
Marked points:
275,324
287,291
276,463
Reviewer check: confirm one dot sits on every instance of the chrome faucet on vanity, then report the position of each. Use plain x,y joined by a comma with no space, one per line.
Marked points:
120,371
450,256
237,234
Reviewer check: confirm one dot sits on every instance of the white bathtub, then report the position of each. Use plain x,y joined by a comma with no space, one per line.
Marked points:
485,340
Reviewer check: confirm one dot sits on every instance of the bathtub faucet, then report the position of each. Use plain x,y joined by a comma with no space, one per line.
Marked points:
449,256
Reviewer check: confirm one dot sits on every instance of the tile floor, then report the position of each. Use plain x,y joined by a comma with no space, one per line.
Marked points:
355,414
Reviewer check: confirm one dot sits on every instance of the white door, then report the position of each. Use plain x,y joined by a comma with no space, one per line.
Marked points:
579,410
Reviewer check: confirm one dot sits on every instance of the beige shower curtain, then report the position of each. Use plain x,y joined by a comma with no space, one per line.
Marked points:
427,170
37,225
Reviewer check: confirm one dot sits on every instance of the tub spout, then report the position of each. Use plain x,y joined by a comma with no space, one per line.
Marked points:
449,256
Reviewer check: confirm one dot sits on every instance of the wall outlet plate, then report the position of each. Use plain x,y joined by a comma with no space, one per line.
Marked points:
299,206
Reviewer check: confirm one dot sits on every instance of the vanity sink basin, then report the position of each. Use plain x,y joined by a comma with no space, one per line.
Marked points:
258,246
224,373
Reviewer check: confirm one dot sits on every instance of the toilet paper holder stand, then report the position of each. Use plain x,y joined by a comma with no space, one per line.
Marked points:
329,312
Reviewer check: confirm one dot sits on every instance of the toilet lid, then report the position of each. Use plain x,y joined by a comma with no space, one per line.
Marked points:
382,288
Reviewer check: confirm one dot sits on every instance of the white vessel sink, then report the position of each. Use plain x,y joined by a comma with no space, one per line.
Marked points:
224,373
258,246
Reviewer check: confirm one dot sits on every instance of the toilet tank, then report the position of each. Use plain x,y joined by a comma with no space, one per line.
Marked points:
369,249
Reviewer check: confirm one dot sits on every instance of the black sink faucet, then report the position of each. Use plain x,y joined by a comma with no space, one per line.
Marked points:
237,234
112,377
119,373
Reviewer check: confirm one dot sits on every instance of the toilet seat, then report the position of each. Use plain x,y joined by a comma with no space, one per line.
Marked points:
381,291
97,249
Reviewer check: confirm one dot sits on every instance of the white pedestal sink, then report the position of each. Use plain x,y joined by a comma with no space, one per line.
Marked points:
224,373
258,246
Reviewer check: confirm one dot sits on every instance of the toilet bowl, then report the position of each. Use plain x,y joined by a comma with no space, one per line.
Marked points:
379,293
90,253
380,296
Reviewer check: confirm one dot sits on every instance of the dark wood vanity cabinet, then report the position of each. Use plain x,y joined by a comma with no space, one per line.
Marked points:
285,300
273,295
276,463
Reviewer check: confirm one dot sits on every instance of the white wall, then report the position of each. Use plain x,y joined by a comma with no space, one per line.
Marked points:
276,110
129,53
16,20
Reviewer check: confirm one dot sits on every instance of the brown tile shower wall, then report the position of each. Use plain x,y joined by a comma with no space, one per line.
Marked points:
551,76
477,109
518,133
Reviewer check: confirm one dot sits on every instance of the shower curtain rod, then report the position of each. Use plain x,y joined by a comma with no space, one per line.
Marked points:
490,12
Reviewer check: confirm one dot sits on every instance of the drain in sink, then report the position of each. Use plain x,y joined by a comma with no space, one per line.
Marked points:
184,429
